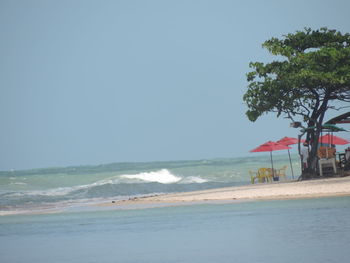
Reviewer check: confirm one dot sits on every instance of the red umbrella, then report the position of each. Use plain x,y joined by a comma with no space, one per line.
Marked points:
289,141
269,147
332,139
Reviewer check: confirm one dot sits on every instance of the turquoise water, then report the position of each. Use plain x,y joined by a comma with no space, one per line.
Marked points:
60,188
314,230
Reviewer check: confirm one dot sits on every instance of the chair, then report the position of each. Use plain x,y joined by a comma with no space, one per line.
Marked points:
265,175
281,173
253,176
326,157
324,152
342,160
327,162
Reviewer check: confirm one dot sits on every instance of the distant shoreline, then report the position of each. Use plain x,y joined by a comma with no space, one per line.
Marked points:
330,187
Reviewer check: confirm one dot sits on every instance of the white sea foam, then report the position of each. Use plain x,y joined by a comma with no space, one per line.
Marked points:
162,176
194,179
61,191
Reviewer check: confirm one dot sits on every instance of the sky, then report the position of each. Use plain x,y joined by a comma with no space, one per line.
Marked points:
90,82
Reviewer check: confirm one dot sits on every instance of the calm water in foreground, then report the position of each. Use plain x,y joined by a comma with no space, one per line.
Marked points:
313,230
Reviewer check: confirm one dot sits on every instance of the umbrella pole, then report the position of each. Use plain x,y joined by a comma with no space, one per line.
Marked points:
273,171
291,167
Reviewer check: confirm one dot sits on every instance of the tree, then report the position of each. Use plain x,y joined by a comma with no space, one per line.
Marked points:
310,75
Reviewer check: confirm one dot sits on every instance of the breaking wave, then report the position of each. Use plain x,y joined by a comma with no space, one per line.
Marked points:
162,176
126,185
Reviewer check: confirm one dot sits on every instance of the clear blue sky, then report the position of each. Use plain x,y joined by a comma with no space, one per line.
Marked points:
91,82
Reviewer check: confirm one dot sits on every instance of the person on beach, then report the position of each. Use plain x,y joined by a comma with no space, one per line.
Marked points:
305,154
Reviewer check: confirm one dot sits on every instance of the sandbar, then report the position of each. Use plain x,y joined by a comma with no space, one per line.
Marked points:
317,188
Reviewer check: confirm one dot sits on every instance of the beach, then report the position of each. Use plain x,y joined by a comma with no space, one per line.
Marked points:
330,187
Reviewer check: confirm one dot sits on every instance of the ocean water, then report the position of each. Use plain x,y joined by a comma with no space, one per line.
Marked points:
50,189
289,231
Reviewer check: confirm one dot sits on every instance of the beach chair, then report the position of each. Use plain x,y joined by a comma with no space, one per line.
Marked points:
265,175
326,157
253,176
281,173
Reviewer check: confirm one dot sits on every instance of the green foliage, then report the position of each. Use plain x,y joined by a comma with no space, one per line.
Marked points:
312,70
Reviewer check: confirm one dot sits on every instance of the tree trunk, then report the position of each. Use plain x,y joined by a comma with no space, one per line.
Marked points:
313,137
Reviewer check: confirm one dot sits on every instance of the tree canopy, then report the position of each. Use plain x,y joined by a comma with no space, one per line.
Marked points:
312,69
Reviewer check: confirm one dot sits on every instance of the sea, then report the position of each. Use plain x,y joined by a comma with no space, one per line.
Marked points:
66,188
44,217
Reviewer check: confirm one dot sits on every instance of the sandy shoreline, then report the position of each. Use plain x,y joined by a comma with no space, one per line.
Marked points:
282,190
330,187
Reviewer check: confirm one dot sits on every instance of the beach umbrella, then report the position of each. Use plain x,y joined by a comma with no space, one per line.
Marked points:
270,147
289,141
325,127
332,139
332,128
